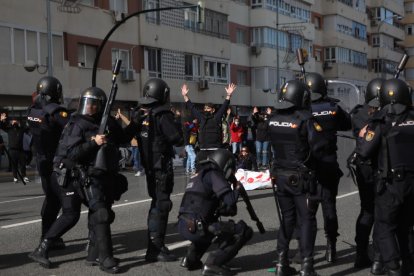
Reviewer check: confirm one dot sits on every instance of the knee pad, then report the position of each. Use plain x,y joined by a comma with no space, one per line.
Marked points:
100,216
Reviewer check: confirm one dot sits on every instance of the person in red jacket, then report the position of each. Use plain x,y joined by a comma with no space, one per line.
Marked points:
236,131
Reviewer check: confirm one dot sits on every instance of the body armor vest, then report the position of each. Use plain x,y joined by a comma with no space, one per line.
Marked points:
199,199
210,133
45,132
285,134
400,142
325,113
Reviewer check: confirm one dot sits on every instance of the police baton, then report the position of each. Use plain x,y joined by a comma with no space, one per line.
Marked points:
279,213
301,56
401,65
14,165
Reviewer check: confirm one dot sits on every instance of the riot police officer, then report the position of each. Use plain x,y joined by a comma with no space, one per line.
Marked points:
207,197
294,135
365,179
157,134
389,138
332,118
91,176
210,130
47,118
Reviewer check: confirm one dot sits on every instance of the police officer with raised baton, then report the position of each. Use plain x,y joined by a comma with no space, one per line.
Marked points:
332,118
389,138
294,136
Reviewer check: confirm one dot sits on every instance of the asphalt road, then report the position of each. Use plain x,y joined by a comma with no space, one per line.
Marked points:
20,231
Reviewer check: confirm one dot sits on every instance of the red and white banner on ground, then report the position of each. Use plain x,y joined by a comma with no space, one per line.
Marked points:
252,180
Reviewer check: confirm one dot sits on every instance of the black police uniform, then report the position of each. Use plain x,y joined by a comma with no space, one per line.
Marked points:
210,131
157,135
208,196
101,186
389,137
46,123
332,118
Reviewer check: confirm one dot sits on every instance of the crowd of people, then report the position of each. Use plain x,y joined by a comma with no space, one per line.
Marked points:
296,140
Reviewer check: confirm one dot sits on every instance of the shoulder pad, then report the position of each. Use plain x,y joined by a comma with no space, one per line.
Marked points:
161,109
303,114
379,115
356,109
52,108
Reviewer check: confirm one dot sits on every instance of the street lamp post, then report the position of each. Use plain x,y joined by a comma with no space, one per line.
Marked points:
200,15
49,40
381,22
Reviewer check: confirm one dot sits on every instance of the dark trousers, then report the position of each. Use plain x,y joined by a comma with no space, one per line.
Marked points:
51,204
18,162
328,176
394,218
365,220
294,204
160,185
71,207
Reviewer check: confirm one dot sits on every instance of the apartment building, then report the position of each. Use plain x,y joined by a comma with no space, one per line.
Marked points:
249,42
409,40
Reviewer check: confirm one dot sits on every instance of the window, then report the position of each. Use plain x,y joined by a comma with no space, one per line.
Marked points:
216,23
122,55
19,45
376,40
192,67
295,42
118,5
216,71
318,55
330,54
409,29
190,19
86,55
153,62
241,36
241,77
153,17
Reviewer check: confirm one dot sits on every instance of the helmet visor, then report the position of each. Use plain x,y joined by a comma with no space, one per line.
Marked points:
90,106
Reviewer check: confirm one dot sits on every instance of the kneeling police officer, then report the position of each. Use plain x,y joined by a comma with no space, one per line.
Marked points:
207,197
295,135
389,138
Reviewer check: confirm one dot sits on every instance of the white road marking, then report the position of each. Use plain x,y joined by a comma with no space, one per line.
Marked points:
15,200
348,194
83,212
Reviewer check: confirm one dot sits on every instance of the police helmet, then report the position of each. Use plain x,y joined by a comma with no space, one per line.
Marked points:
92,102
317,86
395,91
155,91
372,93
50,90
293,93
224,160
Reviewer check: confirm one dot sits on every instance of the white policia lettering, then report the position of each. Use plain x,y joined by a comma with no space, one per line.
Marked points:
34,119
407,123
281,124
323,113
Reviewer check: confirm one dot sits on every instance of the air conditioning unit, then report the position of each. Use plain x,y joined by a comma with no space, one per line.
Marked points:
128,75
327,65
203,84
255,50
118,16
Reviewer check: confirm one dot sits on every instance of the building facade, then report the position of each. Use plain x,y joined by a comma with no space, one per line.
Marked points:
252,43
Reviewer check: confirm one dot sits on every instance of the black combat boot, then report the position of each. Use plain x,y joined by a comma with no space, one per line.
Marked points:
377,267
213,270
57,244
40,254
407,267
330,254
362,259
157,251
307,267
282,266
191,264
110,265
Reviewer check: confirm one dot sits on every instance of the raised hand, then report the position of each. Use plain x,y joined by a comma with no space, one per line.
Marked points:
230,89
184,90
